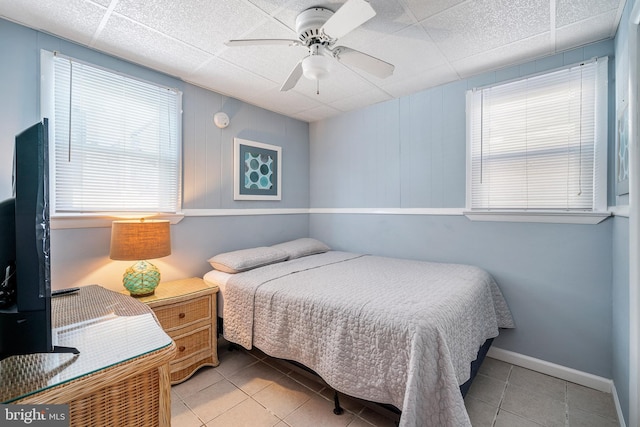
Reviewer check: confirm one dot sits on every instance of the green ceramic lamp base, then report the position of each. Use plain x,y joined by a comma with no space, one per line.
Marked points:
141,279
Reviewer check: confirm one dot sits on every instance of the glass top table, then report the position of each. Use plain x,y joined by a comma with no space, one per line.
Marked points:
108,328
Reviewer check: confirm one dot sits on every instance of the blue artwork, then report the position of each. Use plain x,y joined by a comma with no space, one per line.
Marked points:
257,171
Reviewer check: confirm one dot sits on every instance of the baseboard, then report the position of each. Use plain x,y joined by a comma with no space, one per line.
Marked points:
558,371
614,392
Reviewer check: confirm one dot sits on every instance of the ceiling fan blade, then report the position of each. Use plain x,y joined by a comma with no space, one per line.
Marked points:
351,15
368,63
260,42
293,78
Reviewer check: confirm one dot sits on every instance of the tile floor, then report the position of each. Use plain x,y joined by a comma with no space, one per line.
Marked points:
250,389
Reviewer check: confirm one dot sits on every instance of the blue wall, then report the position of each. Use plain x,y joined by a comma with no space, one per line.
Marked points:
80,256
620,329
410,153
620,239
566,284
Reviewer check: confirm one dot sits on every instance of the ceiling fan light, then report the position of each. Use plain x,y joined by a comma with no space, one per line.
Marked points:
316,67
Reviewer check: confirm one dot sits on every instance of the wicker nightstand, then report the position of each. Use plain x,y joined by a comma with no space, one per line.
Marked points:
186,309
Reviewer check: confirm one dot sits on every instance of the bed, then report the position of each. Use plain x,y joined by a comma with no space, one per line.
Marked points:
394,331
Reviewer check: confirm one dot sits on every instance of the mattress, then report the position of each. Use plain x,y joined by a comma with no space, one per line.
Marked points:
387,330
220,279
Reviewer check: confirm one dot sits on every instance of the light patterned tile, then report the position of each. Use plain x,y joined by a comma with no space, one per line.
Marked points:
181,416
378,419
255,377
215,400
495,369
202,379
279,365
258,354
585,419
487,389
534,407
320,411
314,385
538,383
233,361
248,413
590,400
507,419
283,396
527,399
359,422
481,414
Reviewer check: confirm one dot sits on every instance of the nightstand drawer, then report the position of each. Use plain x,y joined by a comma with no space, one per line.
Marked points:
194,342
186,309
185,313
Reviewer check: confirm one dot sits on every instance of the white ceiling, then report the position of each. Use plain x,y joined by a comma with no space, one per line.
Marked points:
430,42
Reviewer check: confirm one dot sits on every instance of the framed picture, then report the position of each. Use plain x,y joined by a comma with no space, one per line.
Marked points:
257,170
622,149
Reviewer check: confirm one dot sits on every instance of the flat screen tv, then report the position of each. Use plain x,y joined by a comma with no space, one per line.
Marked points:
25,273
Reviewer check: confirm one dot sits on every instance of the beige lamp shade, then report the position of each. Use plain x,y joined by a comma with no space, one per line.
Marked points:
140,239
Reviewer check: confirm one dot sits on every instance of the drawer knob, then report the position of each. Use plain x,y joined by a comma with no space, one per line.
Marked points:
182,348
181,315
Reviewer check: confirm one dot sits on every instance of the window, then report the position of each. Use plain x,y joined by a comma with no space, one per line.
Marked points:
114,140
540,143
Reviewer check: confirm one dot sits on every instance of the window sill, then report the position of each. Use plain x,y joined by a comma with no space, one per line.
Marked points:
62,221
554,217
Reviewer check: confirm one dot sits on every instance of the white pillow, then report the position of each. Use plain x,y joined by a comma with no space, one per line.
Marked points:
247,259
302,247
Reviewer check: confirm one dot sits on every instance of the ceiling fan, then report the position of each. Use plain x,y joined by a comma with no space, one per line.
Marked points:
319,29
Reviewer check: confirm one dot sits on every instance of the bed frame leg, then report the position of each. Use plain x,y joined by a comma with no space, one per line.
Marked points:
338,409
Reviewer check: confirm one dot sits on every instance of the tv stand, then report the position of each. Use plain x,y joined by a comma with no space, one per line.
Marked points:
122,348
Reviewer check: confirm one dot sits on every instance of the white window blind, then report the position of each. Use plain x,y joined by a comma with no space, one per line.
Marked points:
115,140
540,143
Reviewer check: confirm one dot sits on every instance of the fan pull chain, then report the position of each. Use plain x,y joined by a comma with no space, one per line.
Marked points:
317,87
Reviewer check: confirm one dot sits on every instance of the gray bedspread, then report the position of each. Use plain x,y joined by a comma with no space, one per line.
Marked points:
388,330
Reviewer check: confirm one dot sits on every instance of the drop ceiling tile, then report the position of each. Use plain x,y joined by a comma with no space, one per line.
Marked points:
361,100
268,6
390,17
201,23
318,113
460,38
423,80
266,29
410,50
424,9
478,26
273,62
129,40
571,11
503,56
75,20
586,31
228,79
288,103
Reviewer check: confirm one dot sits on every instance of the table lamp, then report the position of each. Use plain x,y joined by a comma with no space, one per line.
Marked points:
140,240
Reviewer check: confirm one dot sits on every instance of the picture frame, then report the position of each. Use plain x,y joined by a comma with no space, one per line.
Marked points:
257,170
